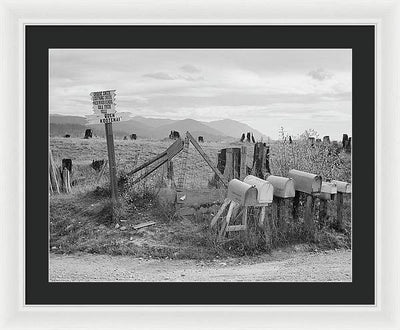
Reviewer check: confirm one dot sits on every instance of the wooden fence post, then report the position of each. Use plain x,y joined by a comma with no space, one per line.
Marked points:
66,168
243,166
323,212
228,165
339,210
261,160
236,163
170,174
282,212
308,214
66,179
54,175
112,164
296,203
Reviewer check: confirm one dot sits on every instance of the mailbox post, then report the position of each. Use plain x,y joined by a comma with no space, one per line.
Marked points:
342,188
251,192
328,192
283,191
310,184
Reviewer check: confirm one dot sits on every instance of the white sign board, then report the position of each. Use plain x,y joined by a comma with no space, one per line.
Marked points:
104,109
103,102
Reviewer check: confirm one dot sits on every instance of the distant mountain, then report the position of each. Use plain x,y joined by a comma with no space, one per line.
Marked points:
74,130
61,119
193,126
153,128
234,128
152,122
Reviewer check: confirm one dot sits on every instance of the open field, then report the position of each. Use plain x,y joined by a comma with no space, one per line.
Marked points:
81,221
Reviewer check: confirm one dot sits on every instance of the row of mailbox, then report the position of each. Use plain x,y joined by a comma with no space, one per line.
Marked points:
253,191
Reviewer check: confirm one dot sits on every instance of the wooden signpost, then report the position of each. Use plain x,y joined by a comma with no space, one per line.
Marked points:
105,113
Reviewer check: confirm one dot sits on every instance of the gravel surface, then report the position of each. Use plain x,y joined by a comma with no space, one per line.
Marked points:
323,266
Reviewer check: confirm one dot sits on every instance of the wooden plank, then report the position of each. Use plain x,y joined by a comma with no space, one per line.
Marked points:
235,164
296,202
228,172
262,216
235,228
308,214
53,174
175,148
244,218
268,226
220,211
181,179
50,185
243,158
237,215
339,210
144,224
207,159
228,217
170,174
282,212
323,212
149,171
66,183
149,162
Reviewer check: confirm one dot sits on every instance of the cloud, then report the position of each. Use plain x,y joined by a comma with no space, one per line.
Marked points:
167,76
159,76
320,74
190,68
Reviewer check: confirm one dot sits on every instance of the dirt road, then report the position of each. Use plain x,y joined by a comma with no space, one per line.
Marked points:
280,266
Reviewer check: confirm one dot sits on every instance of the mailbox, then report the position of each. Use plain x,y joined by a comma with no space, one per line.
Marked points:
265,190
306,182
283,187
327,190
242,193
343,187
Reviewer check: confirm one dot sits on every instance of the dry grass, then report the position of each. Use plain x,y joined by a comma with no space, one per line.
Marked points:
82,221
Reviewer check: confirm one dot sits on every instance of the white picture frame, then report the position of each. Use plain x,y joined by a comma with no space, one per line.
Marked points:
385,15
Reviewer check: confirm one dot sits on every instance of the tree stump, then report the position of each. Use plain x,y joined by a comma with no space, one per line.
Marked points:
261,160
88,134
97,165
345,141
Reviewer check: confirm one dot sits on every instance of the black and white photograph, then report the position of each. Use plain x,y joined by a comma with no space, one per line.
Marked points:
200,165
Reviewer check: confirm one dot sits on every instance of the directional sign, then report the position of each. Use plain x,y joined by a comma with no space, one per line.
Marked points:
107,118
103,102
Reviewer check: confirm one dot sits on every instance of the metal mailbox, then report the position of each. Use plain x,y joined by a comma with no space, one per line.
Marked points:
265,190
342,187
306,182
283,187
242,193
327,190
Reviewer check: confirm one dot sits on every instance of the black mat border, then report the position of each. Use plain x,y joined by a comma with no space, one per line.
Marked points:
361,39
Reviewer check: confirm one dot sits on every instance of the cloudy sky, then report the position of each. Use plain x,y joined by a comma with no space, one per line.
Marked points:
266,89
